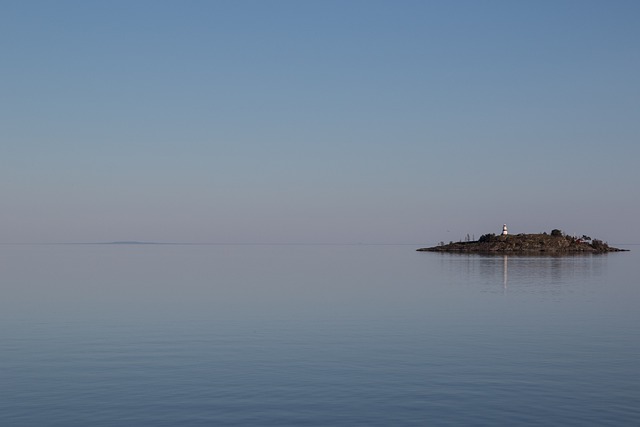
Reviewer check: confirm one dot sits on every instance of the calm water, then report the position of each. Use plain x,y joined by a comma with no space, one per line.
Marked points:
106,335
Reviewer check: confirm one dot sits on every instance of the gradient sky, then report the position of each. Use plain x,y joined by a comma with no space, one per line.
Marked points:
326,121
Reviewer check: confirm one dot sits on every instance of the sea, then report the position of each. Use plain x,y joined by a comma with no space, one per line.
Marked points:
315,335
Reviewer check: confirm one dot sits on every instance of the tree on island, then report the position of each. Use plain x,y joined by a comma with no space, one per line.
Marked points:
487,237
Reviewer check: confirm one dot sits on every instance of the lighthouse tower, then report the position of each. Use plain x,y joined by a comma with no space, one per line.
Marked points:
504,230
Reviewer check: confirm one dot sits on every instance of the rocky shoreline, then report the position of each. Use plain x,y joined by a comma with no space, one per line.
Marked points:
555,243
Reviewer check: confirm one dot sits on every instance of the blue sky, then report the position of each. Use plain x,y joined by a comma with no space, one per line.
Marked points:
327,121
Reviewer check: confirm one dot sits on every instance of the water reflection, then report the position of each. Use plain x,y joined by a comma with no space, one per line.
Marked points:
520,274
505,273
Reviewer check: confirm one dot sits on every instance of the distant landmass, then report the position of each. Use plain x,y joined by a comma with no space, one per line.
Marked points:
132,242
555,243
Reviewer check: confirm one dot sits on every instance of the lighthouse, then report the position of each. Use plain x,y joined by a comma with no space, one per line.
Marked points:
504,230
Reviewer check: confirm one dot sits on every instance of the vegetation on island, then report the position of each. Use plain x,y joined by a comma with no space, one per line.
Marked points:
556,243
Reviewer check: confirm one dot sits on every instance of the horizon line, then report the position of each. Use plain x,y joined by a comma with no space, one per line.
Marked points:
151,243
143,243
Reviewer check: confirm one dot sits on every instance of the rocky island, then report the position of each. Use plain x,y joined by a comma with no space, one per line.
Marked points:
556,243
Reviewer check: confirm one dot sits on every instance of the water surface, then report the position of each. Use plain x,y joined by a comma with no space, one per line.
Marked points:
156,335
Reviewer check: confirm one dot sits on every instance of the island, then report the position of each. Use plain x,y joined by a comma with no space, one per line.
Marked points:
556,243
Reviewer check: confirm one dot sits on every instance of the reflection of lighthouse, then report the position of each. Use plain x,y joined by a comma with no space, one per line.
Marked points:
505,273
504,230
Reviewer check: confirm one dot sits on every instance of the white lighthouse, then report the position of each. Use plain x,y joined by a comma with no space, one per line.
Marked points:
504,230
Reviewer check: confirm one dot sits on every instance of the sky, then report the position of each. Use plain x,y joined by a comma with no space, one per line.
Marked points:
318,121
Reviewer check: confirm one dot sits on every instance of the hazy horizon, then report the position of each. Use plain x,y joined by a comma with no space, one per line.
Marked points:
318,122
